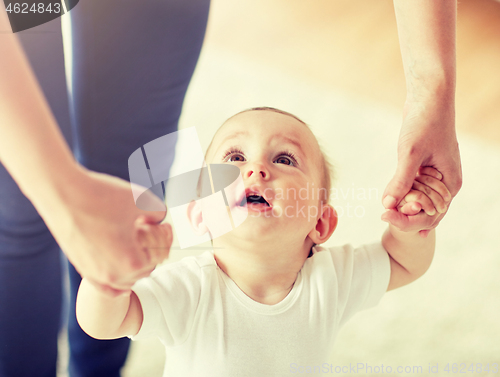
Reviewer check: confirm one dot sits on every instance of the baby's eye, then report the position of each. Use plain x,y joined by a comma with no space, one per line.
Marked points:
287,159
284,160
235,158
233,155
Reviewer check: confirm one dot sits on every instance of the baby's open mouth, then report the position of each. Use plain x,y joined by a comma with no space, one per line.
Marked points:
254,199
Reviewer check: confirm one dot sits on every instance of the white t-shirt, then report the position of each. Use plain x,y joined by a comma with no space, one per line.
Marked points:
211,328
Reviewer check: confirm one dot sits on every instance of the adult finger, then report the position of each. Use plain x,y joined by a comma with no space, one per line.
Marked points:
452,172
154,240
402,181
435,190
160,248
428,170
167,237
150,206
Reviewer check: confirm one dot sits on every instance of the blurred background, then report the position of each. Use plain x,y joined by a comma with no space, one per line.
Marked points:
337,65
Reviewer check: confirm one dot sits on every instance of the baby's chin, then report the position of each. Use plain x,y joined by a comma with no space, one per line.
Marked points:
252,230
257,228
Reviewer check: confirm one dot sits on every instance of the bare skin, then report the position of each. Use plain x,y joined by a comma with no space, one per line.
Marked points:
264,254
91,215
427,38
111,259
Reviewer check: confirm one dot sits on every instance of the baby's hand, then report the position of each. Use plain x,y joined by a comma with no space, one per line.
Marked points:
426,200
154,239
428,194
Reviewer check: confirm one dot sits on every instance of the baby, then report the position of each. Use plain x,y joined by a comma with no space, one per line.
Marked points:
268,296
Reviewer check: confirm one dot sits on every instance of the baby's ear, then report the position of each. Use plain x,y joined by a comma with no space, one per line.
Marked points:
195,216
325,225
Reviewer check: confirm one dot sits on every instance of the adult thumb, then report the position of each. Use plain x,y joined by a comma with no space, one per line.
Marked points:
401,183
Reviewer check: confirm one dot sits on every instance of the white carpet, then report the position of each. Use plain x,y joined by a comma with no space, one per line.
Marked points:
451,315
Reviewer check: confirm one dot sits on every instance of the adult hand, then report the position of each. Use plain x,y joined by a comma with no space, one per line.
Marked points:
91,215
427,138
96,227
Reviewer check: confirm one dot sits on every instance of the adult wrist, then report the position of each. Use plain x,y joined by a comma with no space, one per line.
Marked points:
58,189
436,87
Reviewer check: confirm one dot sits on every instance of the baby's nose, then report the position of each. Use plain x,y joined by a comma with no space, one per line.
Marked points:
256,169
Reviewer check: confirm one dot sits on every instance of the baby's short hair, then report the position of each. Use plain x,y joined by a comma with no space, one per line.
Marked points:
327,171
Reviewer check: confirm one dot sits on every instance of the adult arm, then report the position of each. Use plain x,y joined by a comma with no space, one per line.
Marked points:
91,215
427,38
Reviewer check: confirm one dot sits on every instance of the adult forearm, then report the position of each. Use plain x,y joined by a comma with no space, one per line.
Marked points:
427,35
32,147
409,250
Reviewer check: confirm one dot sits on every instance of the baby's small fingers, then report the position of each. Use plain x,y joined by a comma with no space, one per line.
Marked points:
410,209
407,223
427,170
417,195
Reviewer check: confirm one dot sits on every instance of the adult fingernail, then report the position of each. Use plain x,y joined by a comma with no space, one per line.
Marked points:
389,202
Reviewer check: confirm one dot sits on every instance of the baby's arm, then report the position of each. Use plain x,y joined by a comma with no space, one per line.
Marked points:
411,254
105,316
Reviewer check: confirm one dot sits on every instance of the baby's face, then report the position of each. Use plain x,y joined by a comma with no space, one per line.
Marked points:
280,162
